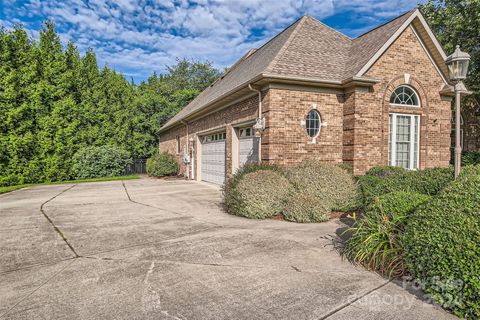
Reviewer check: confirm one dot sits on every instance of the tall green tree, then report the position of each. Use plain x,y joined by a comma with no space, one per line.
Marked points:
457,22
54,102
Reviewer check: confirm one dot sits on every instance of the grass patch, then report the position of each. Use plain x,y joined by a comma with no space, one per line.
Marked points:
13,188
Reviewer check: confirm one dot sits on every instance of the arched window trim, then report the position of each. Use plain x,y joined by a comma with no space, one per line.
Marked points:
406,105
307,123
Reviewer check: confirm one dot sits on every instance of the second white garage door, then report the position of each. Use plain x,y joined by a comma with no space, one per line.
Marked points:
213,158
248,147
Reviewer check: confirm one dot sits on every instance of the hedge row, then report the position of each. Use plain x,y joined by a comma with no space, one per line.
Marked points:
426,224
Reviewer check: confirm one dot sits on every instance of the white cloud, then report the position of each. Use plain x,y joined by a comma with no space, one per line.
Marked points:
139,37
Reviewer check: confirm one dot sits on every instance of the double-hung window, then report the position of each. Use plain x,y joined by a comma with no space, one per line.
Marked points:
404,140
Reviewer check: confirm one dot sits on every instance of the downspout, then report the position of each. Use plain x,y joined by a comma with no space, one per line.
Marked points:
185,156
259,117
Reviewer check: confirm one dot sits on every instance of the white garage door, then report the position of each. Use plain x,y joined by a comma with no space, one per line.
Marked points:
213,158
248,147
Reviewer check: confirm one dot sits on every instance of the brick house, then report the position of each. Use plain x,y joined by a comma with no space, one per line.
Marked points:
312,92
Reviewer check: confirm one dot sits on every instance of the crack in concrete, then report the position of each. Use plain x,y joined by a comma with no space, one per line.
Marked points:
36,265
59,232
150,243
331,313
162,209
35,290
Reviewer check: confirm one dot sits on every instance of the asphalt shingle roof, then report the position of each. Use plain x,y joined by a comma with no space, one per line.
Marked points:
308,49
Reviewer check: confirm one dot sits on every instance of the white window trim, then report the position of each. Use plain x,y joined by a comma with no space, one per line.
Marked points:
393,153
320,124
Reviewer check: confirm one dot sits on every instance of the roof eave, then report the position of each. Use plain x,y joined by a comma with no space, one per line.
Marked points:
352,81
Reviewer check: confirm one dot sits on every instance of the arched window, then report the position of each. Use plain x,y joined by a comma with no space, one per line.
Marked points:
404,95
313,123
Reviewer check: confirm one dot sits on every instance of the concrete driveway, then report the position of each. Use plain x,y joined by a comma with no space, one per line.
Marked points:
151,249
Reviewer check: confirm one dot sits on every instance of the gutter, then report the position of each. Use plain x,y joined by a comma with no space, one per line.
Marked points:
186,161
259,118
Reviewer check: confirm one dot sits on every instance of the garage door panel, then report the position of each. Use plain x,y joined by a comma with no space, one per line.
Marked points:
248,150
213,161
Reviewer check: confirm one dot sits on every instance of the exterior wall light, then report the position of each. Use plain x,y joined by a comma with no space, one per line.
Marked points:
259,126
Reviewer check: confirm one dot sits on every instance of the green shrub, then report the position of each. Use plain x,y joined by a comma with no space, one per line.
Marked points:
326,182
385,171
11,180
470,158
162,164
428,182
442,246
306,208
232,200
470,170
258,194
375,239
104,161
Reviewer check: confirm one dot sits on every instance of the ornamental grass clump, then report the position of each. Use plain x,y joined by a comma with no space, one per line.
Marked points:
258,194
304,208
442,245
375,240
326,182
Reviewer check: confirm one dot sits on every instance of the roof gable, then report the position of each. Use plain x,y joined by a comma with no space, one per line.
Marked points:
367,45
425,36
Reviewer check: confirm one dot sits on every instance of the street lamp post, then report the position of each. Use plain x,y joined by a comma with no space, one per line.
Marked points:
457,64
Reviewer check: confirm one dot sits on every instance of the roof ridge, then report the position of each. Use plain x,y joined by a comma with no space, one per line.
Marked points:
331,28
292,35
385,23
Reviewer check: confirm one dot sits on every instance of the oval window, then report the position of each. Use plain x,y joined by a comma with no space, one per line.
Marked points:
313,123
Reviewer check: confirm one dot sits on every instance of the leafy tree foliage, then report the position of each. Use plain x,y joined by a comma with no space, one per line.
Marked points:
457,22
54,102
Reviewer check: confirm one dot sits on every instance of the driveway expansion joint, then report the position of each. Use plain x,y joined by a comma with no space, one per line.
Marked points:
59,232
343,306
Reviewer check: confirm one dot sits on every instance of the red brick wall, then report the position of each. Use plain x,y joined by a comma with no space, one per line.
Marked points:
288,141
405,55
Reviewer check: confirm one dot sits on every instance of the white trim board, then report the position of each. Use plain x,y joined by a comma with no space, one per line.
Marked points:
428,54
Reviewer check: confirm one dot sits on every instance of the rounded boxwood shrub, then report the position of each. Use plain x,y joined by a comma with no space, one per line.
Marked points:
162,164
103,161
442,247
375,238
258,194
232,199
326,182
305,208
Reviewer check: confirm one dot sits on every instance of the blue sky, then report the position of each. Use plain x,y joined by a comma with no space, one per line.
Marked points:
140,37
